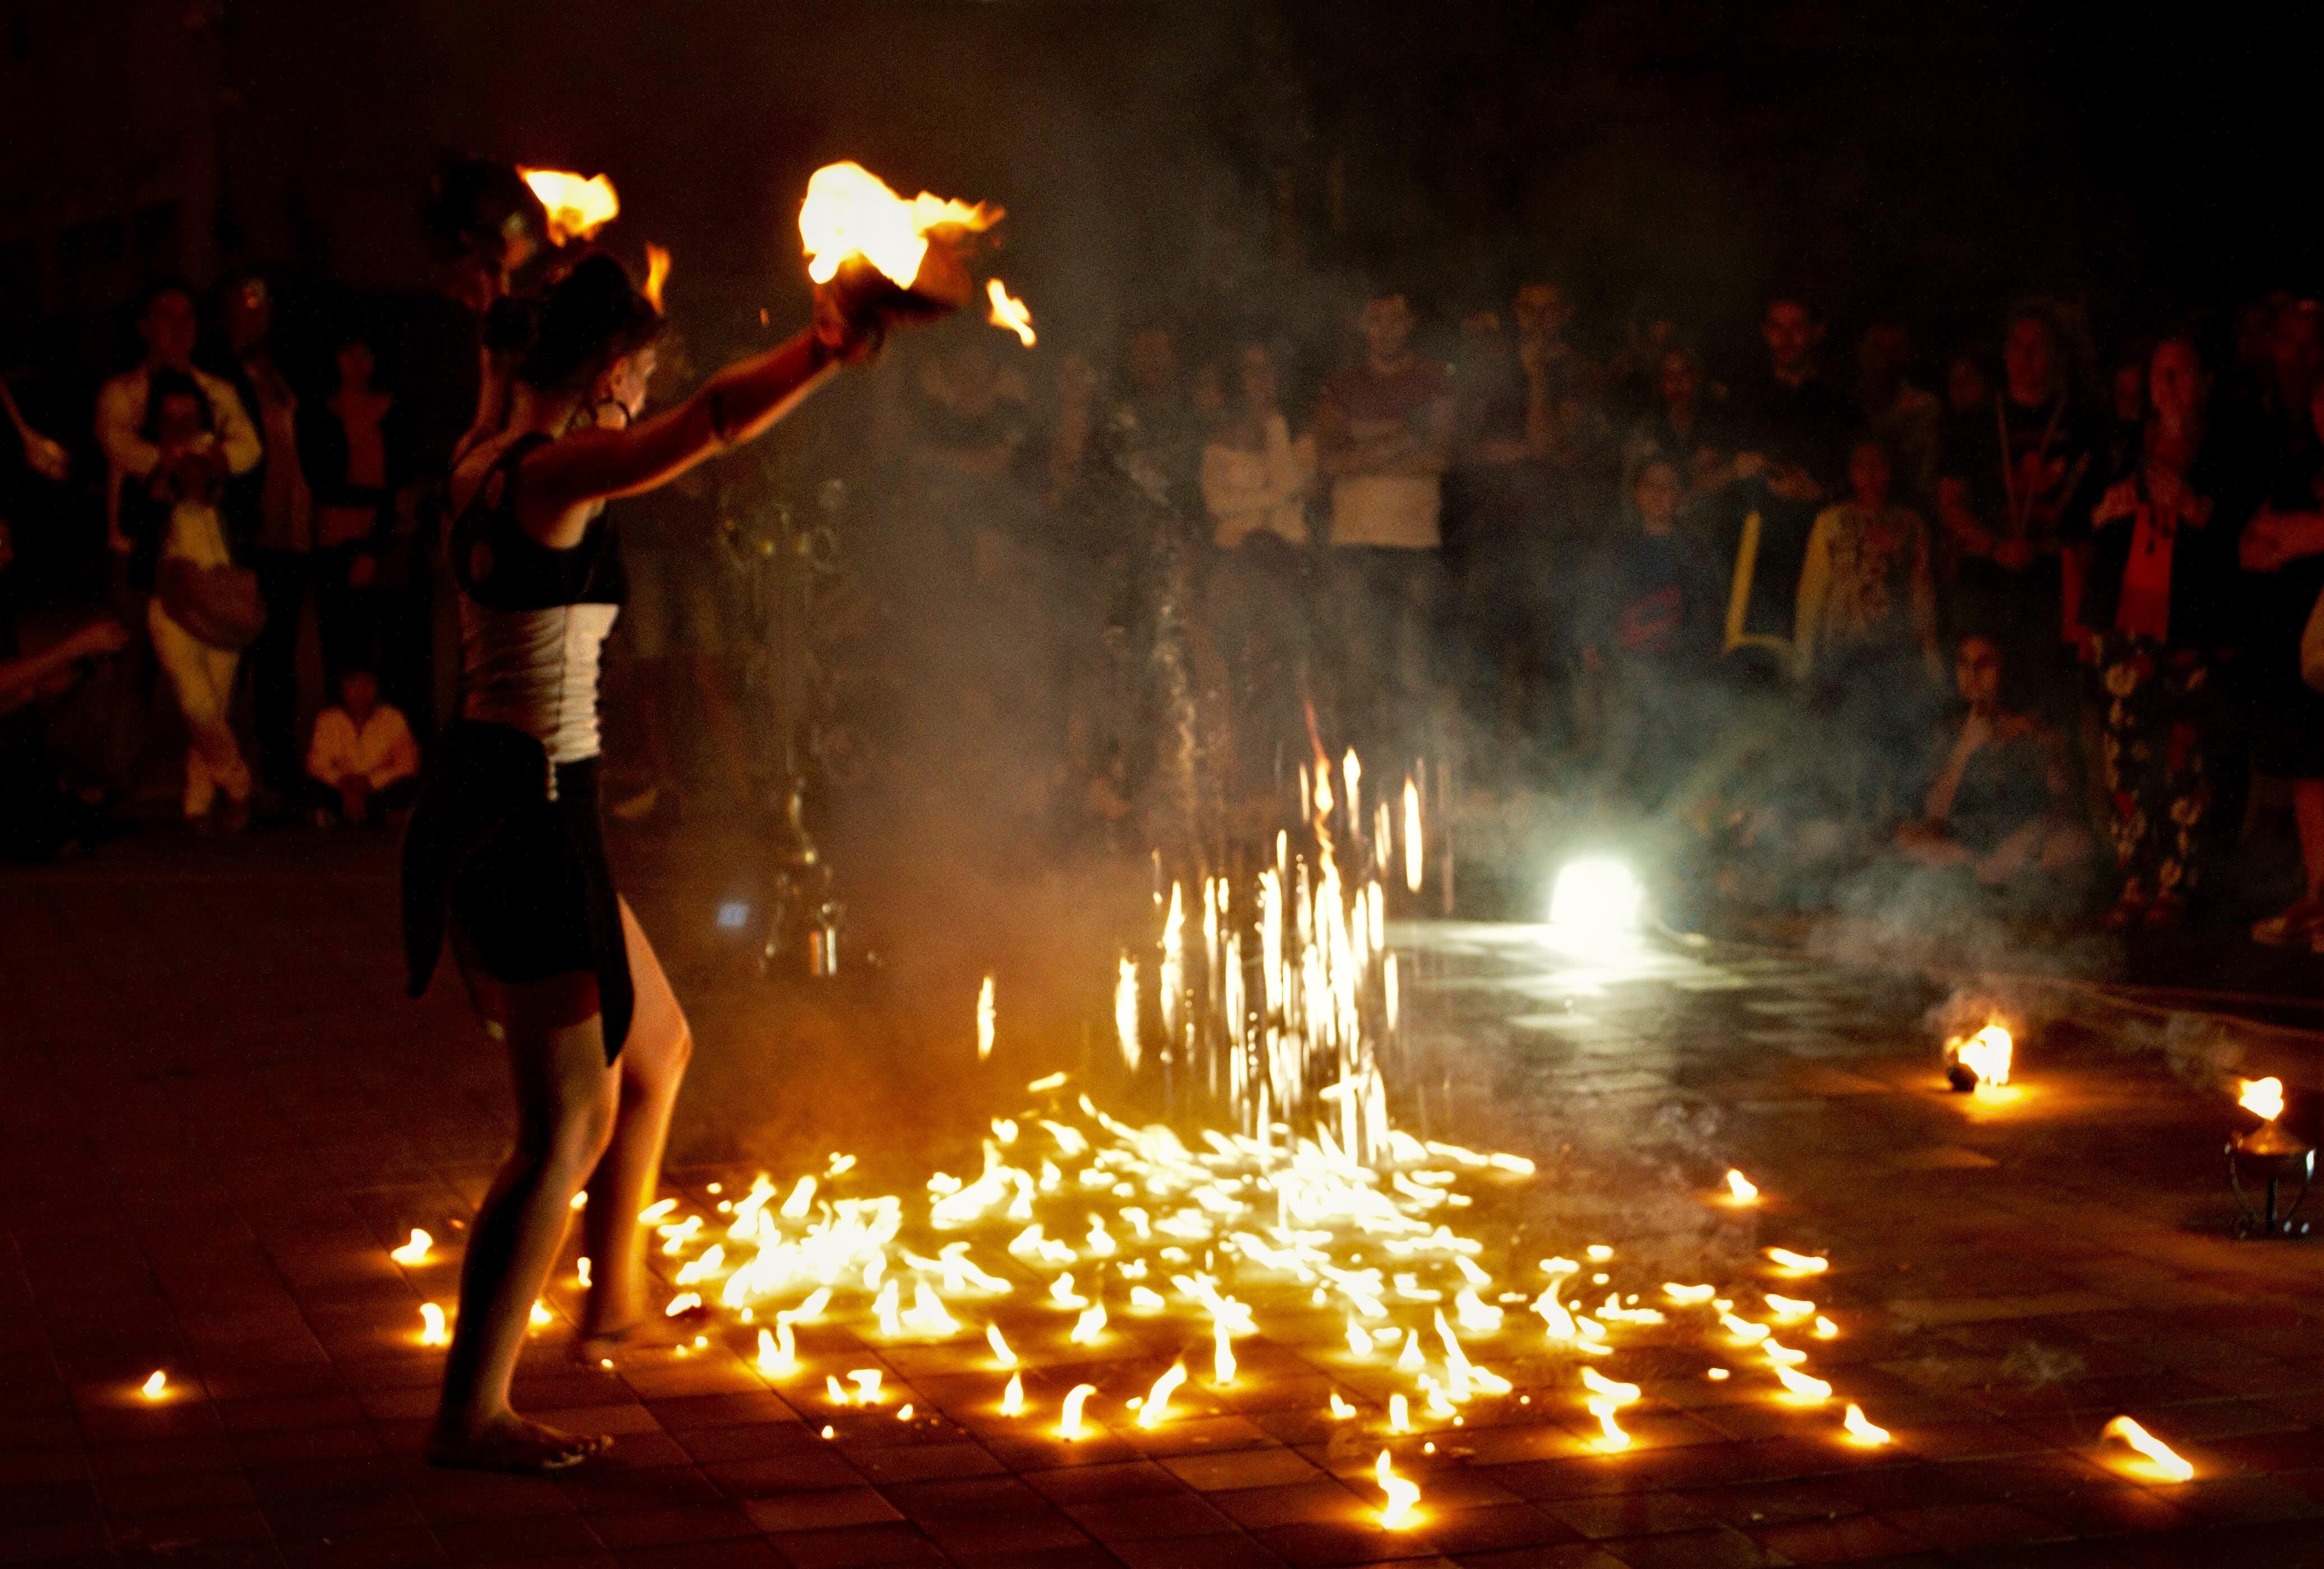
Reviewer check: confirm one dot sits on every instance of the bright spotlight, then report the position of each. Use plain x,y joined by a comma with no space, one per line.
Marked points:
1597,896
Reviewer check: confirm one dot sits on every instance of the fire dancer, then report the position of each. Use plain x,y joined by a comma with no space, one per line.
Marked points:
506,839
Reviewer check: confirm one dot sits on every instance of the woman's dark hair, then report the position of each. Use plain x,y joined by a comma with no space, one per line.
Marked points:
161,386
591,316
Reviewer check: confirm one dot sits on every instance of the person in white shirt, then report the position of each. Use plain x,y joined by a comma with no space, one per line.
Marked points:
363,760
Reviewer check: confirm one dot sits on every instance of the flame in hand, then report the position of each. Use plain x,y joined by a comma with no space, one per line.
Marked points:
850,211
577,207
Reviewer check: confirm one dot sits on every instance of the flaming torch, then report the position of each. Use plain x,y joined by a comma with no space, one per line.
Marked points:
877,245
577,207
2268,1156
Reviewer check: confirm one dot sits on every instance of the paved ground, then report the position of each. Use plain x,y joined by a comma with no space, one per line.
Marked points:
219,1116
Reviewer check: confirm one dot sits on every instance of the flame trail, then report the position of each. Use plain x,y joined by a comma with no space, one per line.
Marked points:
431,1325
985,1020
1009,313
155,1386
1741,1189
1069,1421
1401,1512
414,1252
2163,1460
1012,1399
1861,1430
657,275
1156,1409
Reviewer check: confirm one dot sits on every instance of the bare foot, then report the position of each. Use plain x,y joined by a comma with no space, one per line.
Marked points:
515,1443
652,1332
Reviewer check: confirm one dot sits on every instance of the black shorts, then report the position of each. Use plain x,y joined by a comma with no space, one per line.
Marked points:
522,876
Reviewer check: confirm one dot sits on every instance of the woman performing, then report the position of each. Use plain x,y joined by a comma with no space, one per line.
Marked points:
505,845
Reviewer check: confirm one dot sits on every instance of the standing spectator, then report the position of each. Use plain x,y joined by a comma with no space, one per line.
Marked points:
362,761
44,458
352,443
273,509
1649,632
1153,433
1384,435
1905,420
1688,425
1866,644
136,522
1257,478
1792,437
2160,608
2284,547
197,620
2013,496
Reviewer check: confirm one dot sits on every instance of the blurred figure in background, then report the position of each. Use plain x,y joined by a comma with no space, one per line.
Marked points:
1384,435
1905,420
2283,547
353,442
361,764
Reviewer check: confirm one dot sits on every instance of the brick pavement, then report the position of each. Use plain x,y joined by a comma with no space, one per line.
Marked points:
219,1117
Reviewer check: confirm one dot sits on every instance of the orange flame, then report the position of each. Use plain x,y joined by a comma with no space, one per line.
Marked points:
1986,1054
1401,1512
850,211
2160,1456
577,207
2263,1098
657,274
1008,311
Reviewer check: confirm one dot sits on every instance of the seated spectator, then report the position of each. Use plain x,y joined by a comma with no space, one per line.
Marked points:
2000,806
1687,424
2160,607
39,816
204,611
361,762
1648,636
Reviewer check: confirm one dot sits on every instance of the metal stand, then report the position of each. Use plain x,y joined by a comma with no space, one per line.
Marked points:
2272,1156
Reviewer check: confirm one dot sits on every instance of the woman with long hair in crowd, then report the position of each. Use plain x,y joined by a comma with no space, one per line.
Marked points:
506,847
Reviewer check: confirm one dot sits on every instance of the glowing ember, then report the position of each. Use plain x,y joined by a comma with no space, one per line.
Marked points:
2263,1098
904,1413
1984,1055
1049,1081
1401,1512
1002,1357
684,1303
851,211
1399,1414
1689,1296
1012,1399
2162,1461
777,1352
1799,1388
1089,1325
1156,1409
657,275
581,1272
867,1384
1008,312
155,1386
1792,1263
431,1325
1069,1420
1788,1309
1125,1012
414,1252
985,1020
577,207
1825,1329
1741,1189
541,1318
1861,1430
1412,862
1717,1375
1341,1409
1607,1396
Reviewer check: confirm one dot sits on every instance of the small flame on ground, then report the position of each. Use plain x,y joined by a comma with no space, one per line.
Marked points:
657,274
1741,1189
414,1252
867,1385
1788,1309
431,1325
1047,1082
2162,1460
1222,1357
1401,1512
1399,1414
2263,1098
985,1020
1341,1409
1156,1409
1792,1263
1861,1429
1986,1054
1689,1296
581,1270
1717,1375
1012,1399
777,1352
155,1386
1799,1388
1008,312
577,207
541,1318
1069,1421
1089,1325
1002,1356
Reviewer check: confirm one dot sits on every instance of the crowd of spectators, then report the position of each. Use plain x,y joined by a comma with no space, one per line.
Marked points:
2041,635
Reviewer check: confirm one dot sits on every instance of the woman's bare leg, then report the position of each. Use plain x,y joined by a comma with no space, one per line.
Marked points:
565,1113
645,1079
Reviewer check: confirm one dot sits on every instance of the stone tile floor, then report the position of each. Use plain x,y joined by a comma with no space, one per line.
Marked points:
218,1115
